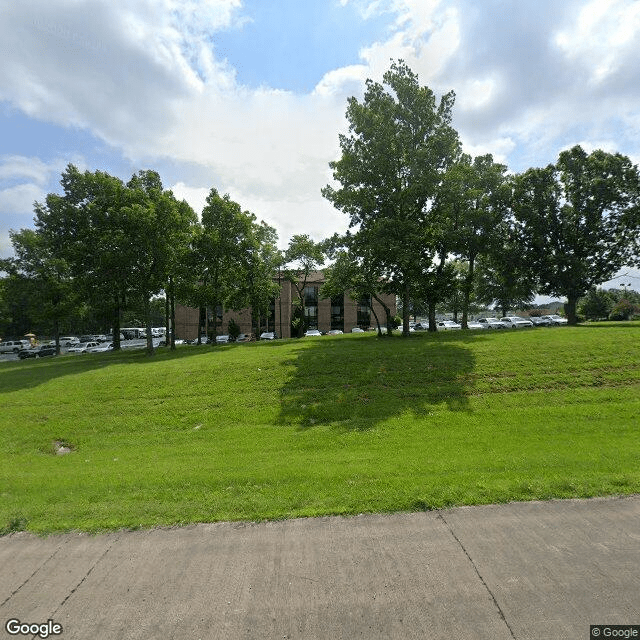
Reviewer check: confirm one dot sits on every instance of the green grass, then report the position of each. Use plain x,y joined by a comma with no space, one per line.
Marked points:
333,425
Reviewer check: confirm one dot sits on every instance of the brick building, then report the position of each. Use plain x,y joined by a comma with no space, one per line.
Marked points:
325,314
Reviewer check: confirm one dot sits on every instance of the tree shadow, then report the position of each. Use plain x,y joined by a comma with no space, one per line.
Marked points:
29,374
355,383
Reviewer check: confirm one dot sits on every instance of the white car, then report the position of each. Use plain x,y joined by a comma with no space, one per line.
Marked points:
13,346
268,335
357,330
491,323
105,346
311,332
221,340
556,320
83,347
335,332
516,322
473,324
448,325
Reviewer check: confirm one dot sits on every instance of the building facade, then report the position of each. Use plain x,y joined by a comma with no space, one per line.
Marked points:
342,313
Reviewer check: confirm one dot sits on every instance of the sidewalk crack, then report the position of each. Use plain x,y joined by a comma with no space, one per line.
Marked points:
473,564
86,575
33,574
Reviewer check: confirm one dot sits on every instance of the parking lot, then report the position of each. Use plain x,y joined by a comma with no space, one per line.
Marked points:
125,344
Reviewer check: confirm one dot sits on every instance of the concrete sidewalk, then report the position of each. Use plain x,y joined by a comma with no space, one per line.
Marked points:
540,570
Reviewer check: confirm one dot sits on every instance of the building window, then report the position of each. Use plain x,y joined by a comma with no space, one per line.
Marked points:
311,296
364,313
337,313
311,306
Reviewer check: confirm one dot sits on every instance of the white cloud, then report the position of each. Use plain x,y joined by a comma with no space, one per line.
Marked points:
19,200
21,167
142,75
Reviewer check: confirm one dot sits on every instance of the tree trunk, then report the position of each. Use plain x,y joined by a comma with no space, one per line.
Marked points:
173,318
147,317
570,309
432,316
56,334
387,313
405,312
167,314
375,315
468,285
116,323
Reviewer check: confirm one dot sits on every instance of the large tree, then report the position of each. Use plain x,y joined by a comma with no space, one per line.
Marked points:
221,248
52,298
160,228
580,221
474,199
504,277
303,258
399,146
89,227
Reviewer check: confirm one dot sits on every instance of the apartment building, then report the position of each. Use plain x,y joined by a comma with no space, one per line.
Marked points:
341,313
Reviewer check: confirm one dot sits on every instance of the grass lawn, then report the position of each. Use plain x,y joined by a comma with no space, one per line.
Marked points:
331,425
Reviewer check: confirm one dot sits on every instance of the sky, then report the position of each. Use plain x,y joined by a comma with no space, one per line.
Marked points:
249,96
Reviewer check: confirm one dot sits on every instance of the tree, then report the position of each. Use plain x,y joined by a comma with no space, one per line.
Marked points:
400,143
160,228
596,305
304,257
505,278
219,257
580,221
89,228
475,196
357,275
262,260
52,299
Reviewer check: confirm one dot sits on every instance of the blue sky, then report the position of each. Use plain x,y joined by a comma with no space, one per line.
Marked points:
249,96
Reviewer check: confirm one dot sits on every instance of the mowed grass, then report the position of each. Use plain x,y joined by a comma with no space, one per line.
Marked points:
332,425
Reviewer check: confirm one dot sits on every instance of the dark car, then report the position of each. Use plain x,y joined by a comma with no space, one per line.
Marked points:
38,352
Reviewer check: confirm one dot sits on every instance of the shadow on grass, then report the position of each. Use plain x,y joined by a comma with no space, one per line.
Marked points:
356,383
29,374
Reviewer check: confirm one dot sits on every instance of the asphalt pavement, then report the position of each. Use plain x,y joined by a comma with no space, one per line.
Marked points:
535,571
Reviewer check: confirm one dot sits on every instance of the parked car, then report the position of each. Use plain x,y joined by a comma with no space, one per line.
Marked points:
542,321
65,340
311,332
491,323
334,332
474,324
38,352
14,346
421,326
244,337
102,347
88,338
357,330
221,339
447,325
100,338
83,347
269,335
556,320
516,322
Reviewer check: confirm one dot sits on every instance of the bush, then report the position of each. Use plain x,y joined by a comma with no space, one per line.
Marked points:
596,305
623,310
